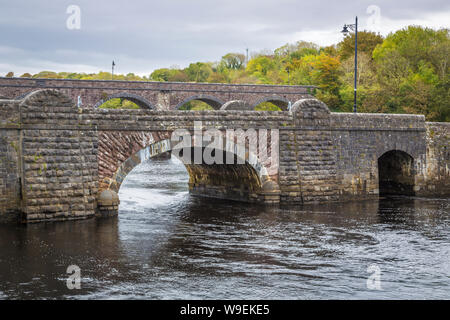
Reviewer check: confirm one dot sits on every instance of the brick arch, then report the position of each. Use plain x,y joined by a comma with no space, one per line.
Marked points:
140,101
121,151
142,155
214,102
279,101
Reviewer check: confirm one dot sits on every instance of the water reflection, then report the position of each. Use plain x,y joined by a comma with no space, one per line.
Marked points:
168,244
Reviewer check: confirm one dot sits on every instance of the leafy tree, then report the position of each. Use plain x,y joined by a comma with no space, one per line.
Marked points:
412,67
267,106
406,72
198,72
163,74
196,105
260,66
119,103
367,42
179,76
232,61
10,74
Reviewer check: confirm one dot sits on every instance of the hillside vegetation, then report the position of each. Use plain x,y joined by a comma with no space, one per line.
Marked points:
406,72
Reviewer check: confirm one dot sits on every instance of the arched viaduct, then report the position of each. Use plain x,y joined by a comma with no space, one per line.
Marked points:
57,160
156,95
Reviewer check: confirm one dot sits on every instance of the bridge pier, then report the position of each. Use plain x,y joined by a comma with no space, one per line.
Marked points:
107,204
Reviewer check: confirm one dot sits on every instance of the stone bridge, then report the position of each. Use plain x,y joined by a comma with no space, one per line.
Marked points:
61,162
157,95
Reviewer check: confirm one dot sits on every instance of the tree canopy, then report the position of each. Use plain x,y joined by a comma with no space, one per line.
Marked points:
406,72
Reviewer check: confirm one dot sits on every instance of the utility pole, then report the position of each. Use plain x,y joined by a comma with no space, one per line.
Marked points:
246,62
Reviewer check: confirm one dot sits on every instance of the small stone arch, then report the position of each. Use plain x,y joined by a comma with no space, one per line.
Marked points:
396,173
279,101
237,105
36,98
310,108
210,100
140,101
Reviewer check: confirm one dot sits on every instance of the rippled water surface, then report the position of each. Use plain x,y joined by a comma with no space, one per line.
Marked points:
166,244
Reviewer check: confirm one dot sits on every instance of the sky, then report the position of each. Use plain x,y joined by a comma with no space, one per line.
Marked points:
144,35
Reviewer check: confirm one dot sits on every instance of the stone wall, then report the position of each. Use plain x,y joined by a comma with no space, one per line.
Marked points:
307,163
433,178
58,160
360,139
10,161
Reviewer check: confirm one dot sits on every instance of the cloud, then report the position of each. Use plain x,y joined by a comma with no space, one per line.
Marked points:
146,35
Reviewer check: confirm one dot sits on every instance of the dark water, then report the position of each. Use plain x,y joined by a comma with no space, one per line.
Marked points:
166,244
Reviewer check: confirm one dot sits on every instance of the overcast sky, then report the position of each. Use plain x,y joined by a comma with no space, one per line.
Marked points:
143,35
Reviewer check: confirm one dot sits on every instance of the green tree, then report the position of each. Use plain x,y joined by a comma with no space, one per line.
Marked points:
163,74
367,42
232,61
412,68
198,72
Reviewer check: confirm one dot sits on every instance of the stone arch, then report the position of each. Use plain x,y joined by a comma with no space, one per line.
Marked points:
396,173
248,181
210,100
279,101
137,158
310,108
140,101
236,105
23,95
35,98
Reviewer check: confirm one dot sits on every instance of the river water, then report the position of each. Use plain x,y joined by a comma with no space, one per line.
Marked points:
167,244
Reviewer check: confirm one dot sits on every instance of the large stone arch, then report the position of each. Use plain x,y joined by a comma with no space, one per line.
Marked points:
396,173
214,102
120,152
279,101
140,101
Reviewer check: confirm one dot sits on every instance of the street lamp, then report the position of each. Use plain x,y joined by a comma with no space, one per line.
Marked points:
289,80
112,70
353,27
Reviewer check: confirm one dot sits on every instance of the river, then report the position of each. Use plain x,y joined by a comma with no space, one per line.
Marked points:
167,244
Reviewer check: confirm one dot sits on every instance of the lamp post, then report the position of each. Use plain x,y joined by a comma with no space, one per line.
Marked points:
289,79
112,70
353,27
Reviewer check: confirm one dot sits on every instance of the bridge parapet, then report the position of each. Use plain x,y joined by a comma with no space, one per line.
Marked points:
373,121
